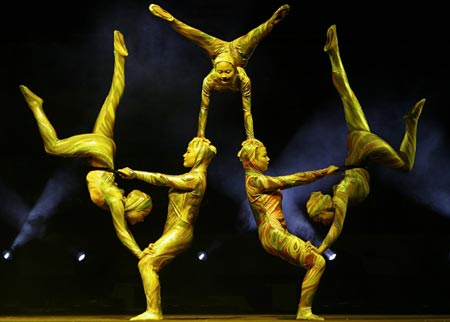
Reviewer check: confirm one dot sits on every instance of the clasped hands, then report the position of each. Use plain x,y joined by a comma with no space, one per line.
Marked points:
145,252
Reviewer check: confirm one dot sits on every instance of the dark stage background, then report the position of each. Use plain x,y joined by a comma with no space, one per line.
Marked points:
394,253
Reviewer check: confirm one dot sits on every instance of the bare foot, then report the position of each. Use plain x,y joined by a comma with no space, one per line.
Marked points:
280,14
119,44
332,41
32,99
416,111
309,316
147,316
160,12
305,313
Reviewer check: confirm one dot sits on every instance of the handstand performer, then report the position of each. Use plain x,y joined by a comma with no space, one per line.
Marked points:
99,148
364,147
229,58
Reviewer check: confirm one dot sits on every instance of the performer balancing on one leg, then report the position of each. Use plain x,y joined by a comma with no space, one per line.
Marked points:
186,192
264,194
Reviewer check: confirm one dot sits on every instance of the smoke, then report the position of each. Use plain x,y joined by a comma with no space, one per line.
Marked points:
58,187
428,183
13,207
164,72
317,144
321,142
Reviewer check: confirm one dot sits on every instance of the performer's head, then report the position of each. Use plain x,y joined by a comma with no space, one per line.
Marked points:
199,151
320,208
224,68
253,155
138,205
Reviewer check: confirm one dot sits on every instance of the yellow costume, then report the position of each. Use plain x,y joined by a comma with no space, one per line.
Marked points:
185,196
363,147
99,148
229,58
265,198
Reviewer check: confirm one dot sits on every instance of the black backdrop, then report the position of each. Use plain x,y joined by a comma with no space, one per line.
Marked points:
393,255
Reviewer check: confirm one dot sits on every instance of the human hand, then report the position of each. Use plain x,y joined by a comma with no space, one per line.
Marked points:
126,173
148,250
145,255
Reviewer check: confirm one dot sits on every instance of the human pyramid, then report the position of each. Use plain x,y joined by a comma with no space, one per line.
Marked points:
264,193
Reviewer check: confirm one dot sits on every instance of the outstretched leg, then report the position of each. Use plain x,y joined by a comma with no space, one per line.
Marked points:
96,147
365,146
106,118
212,46
74,146
46,129
361,143
243,47
408,145
354,115
160,12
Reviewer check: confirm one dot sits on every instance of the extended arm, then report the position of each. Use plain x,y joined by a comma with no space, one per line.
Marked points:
204,105
246,93
185,181
340,203
123,233
297,179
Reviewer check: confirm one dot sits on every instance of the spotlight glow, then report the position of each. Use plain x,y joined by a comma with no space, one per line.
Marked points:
81,256
330,254
202,256
7,255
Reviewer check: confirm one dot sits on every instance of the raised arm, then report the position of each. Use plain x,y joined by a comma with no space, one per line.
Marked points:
204,106
246,93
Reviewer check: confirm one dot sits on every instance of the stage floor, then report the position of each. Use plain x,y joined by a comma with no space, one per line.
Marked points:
225,318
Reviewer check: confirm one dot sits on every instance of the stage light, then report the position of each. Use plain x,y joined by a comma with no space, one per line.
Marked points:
57,188
202,256
330,254
81,256
7,255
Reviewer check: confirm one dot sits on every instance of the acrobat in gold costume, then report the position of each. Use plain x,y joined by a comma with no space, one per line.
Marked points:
99,148
264,194
229,58
185,197
364,147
